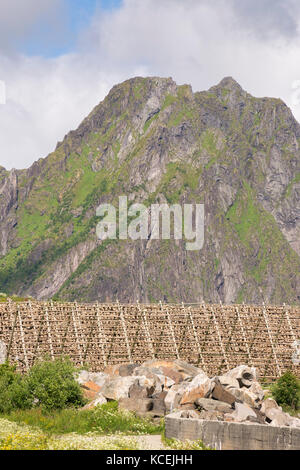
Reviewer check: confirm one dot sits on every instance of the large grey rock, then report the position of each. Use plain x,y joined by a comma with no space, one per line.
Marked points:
211,415
3,352
221,394
166,381
190,414
153,382
136,391
186,370
98,401
295,422
151,378
118,387
207,404
127,369
172,374
98,378
257,390
174,396
279,417
140,406
242,413
200,387
82,377
246,396
261,419
161,380
159,407
267,405
244,375
228,382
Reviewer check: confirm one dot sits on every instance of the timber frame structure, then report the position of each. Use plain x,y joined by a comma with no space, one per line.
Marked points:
214,337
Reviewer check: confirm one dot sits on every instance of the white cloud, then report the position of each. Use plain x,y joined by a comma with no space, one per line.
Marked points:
45,99
192,41
18,17
268,18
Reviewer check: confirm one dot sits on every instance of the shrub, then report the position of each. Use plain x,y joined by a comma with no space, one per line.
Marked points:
13,390
286,390
51,385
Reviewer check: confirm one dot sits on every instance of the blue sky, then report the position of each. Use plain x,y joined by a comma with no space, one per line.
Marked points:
46,41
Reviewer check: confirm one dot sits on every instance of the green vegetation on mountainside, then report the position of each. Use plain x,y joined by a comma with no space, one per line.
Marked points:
198,148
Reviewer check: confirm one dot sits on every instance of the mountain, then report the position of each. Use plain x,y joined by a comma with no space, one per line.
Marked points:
156,141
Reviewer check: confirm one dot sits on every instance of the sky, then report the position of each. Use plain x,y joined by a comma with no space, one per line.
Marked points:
60,58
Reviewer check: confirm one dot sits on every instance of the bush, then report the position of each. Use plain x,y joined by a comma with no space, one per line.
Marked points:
52,386
286,390
13,390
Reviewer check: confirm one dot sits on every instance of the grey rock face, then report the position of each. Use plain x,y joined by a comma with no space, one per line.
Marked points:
222,394
152,139
138,405
99,378
242,413
117,388
228,382
207,404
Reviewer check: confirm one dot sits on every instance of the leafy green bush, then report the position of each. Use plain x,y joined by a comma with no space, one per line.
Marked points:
13,390
51,385
286,391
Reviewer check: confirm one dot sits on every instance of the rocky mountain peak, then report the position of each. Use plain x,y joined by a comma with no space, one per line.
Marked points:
156,141
230,93
230,83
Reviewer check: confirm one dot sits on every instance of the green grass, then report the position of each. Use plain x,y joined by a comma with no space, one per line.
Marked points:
149,122
103,420
14,298
15,436
169,100
22,437
290,186
179,177
209,142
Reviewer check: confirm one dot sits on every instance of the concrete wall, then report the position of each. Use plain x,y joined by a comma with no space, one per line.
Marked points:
232,436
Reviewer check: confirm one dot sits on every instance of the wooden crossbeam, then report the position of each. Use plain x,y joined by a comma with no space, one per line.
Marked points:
166,310
125,331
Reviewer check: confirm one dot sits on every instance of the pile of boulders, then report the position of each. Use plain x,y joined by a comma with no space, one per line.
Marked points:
158,387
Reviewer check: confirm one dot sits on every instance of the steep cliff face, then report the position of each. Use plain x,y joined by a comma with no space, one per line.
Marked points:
155,141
